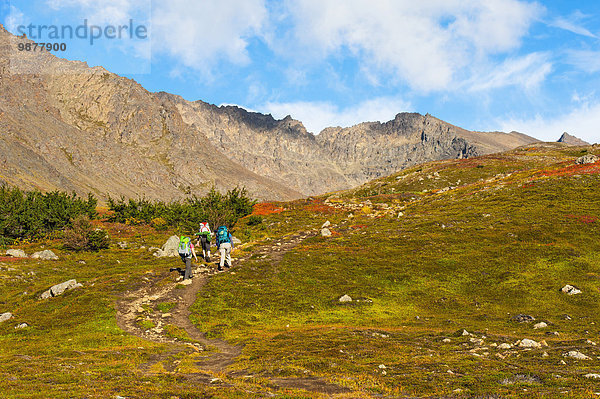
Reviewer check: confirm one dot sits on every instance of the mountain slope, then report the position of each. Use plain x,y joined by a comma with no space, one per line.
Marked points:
67,126
76,128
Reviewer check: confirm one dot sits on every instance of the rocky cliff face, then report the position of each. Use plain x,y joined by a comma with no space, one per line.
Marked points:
571,140
66,126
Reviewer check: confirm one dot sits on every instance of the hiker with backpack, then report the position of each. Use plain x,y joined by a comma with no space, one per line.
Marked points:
204,237
224,242
186,250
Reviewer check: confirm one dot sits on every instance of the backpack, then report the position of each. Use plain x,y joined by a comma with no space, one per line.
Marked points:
204,229
222,234
185,246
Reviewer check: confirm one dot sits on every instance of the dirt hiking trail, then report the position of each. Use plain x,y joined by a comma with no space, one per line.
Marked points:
136,315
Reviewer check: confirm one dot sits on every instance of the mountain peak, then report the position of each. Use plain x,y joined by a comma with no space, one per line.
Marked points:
571,140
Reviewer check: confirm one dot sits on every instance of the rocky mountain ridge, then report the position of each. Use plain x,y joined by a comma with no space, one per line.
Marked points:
70,127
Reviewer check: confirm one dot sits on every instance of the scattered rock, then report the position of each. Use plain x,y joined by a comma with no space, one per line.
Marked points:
504,346
326,224
521,379
122,245
345,298
540,325
529,343
21,326
545,354
465,332
186,282
5,316
16,253
570,290
81,262
325,232
236,241
45,255
595,376
169,248
576,355
350,215
59,289
446,340
382,366
589,158
523,318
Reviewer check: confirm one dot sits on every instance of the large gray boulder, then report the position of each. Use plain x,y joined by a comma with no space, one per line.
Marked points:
589,158
169,248
5,316
45,255
59,289
16,253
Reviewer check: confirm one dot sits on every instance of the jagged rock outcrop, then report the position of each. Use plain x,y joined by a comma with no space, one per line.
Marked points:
571,140
337,158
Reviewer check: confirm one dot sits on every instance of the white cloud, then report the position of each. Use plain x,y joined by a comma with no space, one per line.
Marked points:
582,122
198,34
14,19
427,45
105,11
527,72
573,24
585,60
318,115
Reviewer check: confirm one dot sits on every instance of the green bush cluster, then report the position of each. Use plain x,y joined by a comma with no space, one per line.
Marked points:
32,214
81,236
216,208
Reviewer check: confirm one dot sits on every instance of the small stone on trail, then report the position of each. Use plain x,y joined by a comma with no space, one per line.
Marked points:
5,316
186,282
570,290
345,298
540,325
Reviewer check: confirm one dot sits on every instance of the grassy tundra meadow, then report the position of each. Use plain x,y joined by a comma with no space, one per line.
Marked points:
450,275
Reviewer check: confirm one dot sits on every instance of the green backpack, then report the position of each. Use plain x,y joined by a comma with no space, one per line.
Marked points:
185,246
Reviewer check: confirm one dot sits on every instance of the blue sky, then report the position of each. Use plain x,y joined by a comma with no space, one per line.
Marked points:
502,65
